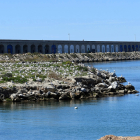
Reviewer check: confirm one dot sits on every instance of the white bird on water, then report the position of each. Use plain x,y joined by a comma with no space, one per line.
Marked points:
76,107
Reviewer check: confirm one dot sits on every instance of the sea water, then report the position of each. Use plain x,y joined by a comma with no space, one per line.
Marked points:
94,118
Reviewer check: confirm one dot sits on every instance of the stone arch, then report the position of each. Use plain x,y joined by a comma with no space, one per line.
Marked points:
83,49
93,48
46,49
66,49
112,48
71,48
59,48
88,49
107,48
1,49
77,49
17,49
25,49
10,49
32,48
103,48
98,48
116,48
40,49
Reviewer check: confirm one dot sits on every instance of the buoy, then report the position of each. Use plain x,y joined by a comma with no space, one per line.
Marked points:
76,107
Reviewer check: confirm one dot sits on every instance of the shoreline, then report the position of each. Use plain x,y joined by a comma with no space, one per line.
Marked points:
42,81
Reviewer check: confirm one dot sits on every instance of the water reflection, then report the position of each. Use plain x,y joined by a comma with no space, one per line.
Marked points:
50,104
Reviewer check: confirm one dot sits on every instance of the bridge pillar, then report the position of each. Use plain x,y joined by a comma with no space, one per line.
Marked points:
21,48
5,48
29,48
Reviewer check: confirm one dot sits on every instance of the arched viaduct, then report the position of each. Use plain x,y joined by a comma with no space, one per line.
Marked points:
56,46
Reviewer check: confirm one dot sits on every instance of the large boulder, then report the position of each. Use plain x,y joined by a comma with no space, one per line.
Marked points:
14,97
85,80
130,87
103,85
65,96
49,87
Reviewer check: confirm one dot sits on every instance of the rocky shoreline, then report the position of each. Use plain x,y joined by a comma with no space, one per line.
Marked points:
112,137
75,57
75,82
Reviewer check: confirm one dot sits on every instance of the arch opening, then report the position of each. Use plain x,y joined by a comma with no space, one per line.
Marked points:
83,49
53,49
88,49
32,48
112,48
40,48
93,49
116,48
25,49
121,48
98,48
129,48
66,49
59,48
77,49
125,48
10,49
17,49
71,49
107,48
103,48
46,49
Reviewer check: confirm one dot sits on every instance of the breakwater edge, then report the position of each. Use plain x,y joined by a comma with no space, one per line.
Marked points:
39,81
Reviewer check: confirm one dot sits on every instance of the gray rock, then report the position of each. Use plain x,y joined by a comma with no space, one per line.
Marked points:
102,85
130,87
64,96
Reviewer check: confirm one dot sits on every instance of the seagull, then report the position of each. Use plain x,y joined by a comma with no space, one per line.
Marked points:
76,107
129,83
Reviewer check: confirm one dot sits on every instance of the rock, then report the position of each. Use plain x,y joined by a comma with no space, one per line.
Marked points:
112,74
121,91
129,87
63,86
121,79
64,96
102,85
2,97
50,88
14,97
85,80
83,89
112,79
72,95
54,95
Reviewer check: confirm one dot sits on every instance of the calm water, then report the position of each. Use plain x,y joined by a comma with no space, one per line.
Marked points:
93,119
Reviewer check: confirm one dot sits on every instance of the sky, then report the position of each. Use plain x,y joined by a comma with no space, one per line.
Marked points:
91,20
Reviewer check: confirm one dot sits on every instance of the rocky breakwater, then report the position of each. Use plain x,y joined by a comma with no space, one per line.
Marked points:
96,84
112,137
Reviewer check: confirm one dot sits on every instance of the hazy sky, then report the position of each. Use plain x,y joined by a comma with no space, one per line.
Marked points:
93,20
